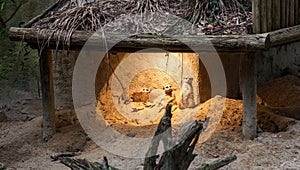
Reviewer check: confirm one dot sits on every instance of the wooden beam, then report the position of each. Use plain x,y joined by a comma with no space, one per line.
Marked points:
248,84
284,36
47,94
251,42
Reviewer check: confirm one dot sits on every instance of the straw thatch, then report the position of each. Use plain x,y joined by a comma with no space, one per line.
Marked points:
149,16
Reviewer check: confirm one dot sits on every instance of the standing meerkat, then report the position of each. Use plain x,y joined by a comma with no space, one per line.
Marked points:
186,93
170,94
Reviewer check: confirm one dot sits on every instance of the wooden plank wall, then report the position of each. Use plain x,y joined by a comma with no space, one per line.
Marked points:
270,15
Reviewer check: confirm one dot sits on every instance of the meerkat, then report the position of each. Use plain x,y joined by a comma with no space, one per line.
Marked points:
186,93
170,94
142,96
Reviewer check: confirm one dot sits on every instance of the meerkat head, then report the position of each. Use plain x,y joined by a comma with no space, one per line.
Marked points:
167,88
188,80
146,90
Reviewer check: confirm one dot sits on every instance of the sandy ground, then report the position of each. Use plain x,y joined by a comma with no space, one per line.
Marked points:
278,147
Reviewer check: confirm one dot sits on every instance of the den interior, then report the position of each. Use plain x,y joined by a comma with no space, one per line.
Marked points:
124,103
132,90
136,92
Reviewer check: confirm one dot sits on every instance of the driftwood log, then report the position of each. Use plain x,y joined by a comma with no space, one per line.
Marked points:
56,157
218,163
179,151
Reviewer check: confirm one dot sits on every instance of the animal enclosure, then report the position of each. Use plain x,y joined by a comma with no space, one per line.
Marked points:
238,55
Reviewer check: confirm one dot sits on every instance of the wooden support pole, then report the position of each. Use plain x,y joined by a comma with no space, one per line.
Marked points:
248,86
292,13
287,13
270,20
276,14
283,14
47,93
256,16
297,21
263,16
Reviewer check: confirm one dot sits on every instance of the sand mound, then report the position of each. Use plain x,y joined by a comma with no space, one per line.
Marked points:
232,115
281,92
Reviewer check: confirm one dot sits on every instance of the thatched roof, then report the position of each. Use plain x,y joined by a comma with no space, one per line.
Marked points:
160,19
205,17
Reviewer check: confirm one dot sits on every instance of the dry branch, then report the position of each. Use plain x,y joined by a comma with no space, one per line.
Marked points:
55,157
218,163
83,164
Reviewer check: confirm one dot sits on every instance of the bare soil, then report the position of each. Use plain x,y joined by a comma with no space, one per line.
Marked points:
277,147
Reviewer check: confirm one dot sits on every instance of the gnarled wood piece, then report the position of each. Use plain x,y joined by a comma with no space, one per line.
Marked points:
83,164
55,157
180,156
218,163
164,126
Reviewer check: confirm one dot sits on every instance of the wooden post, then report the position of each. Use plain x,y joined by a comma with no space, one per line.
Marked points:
287,13
47,93
256,16
270,7
283,14
277,14
297,21
248,86
292,13
263,16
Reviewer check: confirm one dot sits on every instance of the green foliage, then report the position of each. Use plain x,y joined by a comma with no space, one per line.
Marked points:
18,62
19,70
2,5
